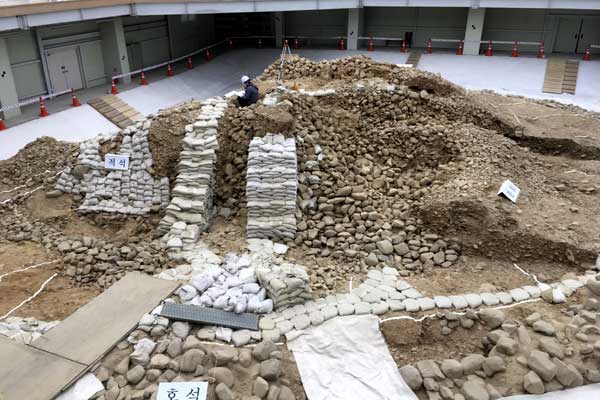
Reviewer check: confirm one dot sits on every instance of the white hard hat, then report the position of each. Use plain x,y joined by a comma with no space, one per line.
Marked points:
245,78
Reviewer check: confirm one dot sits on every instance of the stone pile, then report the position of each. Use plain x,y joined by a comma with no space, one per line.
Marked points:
192,197
271,185
132,191
286,284
24,330
160,350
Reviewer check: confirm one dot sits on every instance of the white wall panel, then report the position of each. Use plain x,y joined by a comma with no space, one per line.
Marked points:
105,12
8,23
52,18
525,25
324,23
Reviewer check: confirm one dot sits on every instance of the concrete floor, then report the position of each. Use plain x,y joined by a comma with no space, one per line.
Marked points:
519,76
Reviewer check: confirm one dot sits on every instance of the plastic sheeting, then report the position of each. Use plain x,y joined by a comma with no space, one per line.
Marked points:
85,388
347,358
588,392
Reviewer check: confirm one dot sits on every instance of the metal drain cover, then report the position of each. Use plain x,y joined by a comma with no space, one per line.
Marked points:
209,316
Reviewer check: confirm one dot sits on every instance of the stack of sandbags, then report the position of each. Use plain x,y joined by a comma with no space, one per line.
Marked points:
192,197
130,191
286,284
271,185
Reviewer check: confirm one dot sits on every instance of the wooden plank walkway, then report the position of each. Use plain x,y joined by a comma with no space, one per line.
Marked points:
32,374
413,58
116,110
561,76
51,363
91,331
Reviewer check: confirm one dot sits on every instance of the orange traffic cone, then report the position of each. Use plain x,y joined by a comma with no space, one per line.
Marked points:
515,51
403,48
43,111
588,55
370,44
488,52
208,55
113,88
342,46
2,125
143,80
429,47
259,43
541,51
296,44
459,51
189,63
74,101
169,70
230,43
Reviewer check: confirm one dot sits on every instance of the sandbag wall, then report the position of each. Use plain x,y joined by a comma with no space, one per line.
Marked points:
192,201
271,185
131,191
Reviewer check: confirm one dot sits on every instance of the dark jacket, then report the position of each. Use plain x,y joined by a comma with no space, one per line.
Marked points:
250,95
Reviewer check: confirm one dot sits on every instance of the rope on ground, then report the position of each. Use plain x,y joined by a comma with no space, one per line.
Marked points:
7,201
424,317
27,268
30,298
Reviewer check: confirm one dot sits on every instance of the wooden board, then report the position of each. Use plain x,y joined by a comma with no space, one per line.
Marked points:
91,331
32,374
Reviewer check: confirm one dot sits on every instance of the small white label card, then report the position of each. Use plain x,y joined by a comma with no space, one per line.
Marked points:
509,190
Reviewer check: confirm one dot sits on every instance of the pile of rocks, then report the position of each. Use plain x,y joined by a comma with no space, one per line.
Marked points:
192,200
24,330
271,185
131,191
163,351
286,284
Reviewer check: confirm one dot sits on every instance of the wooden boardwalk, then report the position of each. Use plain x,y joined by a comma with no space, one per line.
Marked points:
561,76
52,362
116,110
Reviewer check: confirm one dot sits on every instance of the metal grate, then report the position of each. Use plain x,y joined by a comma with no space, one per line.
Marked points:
209,316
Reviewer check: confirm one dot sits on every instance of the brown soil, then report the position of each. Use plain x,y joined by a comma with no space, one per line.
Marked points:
165,135
58,300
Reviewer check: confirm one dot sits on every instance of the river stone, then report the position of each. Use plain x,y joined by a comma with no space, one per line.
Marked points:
533,384
474,390
136,374
540,362
412,377
222,375
191,359
493,365
472,363
270,369
551,346
543,327
223,392
180,329
491,317
260,387
262,351
452,369
430,369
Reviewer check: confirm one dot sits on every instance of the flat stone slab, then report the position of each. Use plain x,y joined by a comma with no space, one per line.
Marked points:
87,334
33,374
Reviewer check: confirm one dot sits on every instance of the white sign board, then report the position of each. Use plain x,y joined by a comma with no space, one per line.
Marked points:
182,391
116,161
509,190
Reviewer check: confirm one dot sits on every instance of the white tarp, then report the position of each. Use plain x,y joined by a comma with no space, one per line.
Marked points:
86,387
347,358
588,392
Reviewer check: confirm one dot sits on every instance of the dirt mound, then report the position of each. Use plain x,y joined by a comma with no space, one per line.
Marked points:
39,159
166,133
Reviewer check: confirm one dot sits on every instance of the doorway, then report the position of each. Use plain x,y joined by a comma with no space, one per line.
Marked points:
63,69
575,34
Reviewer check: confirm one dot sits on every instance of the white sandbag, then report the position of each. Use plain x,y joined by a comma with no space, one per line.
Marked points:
244,261
206,301
214,292
558,296
187,292
221,302
230,263
202,282
144,346
239,304
253,304
224,334
247,275
251,288
266,306
262,294
233,281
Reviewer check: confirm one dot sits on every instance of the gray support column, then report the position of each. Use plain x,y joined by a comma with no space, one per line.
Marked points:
8,90
114,49
279,30
474,30
355,27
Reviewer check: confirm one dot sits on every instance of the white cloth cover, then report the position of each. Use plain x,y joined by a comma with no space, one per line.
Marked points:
347,358
588,392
